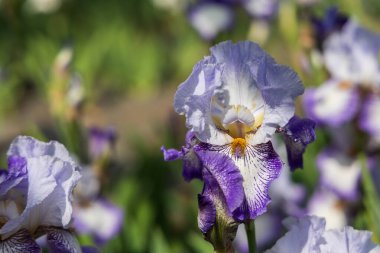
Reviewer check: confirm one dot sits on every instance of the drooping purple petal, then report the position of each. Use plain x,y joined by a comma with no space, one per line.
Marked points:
62,241
19,242
192,166
259,167
298,133
226,174
214,218
206,214
333,103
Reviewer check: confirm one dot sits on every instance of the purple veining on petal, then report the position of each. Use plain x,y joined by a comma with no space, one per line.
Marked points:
214,210
287,196
16,174
206,214
17,166
62,241
263,166
20,242
332,103
298,133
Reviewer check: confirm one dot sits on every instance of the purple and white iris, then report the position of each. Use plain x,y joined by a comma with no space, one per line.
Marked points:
101,142
99,218
93,214
347,104
36,197
352,55
309,235
211,17
234,101
261,9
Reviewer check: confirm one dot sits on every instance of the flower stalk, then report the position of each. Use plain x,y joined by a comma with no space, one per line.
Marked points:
251,236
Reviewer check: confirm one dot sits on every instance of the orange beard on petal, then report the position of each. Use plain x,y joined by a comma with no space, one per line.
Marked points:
238,146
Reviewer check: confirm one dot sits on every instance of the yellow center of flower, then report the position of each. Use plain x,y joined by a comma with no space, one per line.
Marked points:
345,85
238,146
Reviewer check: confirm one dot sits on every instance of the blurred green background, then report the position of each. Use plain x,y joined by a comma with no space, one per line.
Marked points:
131,55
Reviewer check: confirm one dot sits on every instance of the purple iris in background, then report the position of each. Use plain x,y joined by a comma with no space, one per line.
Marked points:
352,55
346,105
370,118
94,215
211,17
234,101
36,197
308,235
261,9
332,21
101,141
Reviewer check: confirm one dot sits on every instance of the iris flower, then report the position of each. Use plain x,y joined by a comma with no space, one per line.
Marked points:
36,197
308,235
234,101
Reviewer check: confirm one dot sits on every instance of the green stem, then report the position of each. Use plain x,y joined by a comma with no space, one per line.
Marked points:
251,236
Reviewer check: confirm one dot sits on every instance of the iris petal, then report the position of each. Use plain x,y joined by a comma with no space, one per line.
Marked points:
20,242
62,241
298,133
